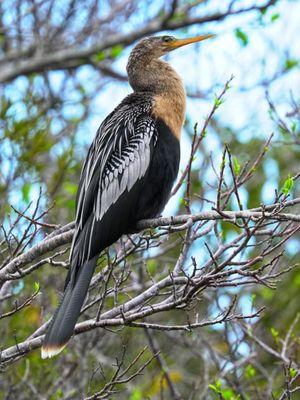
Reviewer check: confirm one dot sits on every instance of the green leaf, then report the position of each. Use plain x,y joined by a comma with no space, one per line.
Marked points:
250,371
222,165
274,333
183,201
178,16
236,166
136,394
290,63
116,50
294,126
36,286
98,57
275,17
228,394
152,266
26,192
288,185
293,372
218,102
242,36
70,188
216,387
263,10
283,130
59,394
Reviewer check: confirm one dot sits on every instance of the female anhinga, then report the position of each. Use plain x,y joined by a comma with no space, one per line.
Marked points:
128,173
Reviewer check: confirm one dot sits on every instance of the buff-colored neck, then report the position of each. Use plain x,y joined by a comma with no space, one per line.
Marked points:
159,78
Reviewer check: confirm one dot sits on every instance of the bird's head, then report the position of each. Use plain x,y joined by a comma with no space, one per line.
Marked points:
146,71
154,47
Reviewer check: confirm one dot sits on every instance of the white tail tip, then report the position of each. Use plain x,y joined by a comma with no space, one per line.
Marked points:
51,351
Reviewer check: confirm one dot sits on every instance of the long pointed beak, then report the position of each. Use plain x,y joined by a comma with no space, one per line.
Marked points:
182,42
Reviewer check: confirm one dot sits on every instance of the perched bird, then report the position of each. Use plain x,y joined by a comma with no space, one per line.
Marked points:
128,172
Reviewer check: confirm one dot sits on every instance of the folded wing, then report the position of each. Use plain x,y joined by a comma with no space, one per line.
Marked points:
111,181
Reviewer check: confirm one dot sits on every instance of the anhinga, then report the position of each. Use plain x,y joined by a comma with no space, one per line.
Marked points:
128,172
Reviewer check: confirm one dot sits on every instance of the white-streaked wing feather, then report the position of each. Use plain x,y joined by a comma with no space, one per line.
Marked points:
127,167
117,159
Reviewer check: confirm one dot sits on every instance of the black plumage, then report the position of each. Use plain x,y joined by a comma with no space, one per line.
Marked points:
127,176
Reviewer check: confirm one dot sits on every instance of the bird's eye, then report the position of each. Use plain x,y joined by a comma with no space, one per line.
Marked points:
167,39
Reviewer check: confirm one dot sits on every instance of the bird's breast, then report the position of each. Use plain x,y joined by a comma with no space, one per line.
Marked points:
170,108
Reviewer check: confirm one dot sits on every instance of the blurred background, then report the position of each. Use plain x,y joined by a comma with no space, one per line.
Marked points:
62,70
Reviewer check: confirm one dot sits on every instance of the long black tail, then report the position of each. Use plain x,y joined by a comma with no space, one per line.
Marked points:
62,325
